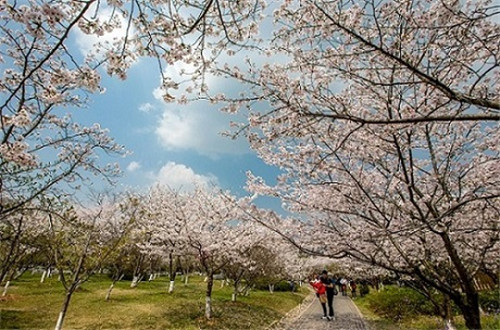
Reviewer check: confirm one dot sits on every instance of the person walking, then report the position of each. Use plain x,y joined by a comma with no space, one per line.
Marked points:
353,288
343,282
329,284
320,290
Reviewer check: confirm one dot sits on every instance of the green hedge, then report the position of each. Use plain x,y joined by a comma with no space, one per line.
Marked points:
263,284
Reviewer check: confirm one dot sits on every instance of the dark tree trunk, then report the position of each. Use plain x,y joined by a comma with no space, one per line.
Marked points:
470,310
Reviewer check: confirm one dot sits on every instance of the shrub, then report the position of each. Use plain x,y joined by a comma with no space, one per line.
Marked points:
490,301
263,284
364,289
283,286
399,303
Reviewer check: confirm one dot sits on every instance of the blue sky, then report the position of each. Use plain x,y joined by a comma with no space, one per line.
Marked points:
169,143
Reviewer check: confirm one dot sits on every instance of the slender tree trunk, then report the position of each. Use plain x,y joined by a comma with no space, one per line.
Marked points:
271,288
171,286
447,313
235,290
5,288
115,279
208,297
64,309
19,273
108,294
44,274
10,257
186,279
135,281
172,271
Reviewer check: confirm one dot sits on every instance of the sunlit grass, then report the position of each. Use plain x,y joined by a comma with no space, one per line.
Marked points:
34,305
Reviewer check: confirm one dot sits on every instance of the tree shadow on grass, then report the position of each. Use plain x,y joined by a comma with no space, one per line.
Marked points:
13,319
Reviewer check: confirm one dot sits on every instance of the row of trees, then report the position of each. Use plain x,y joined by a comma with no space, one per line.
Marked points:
140,235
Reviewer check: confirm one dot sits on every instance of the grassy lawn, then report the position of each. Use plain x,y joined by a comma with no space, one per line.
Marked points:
34,305
416,322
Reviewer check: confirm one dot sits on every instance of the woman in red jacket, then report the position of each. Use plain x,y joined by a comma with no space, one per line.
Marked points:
320,290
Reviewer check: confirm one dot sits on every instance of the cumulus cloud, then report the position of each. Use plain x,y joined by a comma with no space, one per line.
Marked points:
133,166
182,178
198,129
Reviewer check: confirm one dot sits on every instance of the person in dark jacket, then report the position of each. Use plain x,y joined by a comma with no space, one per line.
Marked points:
330,292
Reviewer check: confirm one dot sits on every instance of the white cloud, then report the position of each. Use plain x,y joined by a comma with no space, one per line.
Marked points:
146,107
182,178
198,129
133,166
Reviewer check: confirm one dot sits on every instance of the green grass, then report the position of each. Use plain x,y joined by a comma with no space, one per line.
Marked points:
34,305
378,321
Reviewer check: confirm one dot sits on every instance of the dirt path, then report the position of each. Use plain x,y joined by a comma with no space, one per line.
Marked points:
308,315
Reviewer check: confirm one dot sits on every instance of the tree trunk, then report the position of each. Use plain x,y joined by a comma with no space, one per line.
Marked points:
44,274
108,295
172,273
449,325
235,290
470,310
271,288
208,298
64,309
6,287
447,313
186,279
135,281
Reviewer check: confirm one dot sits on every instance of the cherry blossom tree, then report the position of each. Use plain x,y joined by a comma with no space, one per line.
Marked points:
382,117
255,258
212,231
19,244
164,222
421,200
81,240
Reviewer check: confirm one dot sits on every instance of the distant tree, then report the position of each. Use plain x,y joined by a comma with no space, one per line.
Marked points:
81,241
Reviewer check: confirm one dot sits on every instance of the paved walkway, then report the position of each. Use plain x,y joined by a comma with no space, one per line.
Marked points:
308,315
